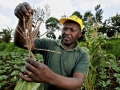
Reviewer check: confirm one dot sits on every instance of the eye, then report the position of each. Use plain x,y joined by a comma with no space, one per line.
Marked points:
72,30
65,28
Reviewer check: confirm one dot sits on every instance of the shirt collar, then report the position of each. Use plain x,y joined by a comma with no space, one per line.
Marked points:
60,44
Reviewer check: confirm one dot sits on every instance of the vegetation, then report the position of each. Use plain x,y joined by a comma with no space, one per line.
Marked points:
6,35
104,71
103,65
11,63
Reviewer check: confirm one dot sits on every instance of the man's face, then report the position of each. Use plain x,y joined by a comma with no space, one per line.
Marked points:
70,33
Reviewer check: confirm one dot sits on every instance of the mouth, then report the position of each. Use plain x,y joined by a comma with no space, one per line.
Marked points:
66,39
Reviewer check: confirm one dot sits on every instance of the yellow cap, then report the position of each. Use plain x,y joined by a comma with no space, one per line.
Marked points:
73,18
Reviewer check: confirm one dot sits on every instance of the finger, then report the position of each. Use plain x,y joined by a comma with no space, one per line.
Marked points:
26,72
18,12
32,11
18,16
30,68
33,62
23,10
29,73
24,77
28,7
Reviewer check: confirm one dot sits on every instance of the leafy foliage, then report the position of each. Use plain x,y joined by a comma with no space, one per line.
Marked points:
52,24
112,46
87,16
101,71
6,35
11,64
77,14
42,13
12,60
10,47
104,71
111,26
98,14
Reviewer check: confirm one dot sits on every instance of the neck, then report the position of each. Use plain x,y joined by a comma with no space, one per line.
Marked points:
67,46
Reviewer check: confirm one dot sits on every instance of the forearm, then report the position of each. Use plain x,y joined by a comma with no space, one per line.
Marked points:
42,74
18,38
67,83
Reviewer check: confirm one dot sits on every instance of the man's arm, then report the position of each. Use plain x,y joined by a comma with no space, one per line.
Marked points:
69,83
39,72
22,10
18,39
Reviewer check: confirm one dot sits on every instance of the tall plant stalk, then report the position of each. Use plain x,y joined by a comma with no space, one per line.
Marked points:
94,41
29,34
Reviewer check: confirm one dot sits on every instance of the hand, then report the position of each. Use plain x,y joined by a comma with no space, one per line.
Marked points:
23,9
37,72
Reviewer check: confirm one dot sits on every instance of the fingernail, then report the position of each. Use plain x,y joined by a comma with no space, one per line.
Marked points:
27,14
29,10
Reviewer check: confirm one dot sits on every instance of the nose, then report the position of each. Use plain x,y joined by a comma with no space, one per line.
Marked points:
67,31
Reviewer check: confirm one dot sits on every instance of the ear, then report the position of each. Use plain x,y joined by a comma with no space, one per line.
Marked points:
80,34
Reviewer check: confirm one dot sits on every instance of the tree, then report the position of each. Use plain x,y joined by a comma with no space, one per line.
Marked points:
64,16
98,14
115,23
52,24
6,35
115,20
98,18
59,37
41,14
104,27
51,35
93,20
111,25
87,16
77,13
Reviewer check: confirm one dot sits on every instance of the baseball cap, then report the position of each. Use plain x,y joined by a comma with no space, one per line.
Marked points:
73,18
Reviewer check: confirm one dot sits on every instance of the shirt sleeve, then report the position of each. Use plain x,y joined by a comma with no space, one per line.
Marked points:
40,44
83,63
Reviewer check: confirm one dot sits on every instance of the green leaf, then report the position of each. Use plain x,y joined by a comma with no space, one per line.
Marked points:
24,85
36,86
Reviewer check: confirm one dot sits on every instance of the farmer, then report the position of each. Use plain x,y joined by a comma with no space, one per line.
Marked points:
65,71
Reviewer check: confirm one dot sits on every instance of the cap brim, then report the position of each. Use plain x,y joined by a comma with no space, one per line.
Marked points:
63,20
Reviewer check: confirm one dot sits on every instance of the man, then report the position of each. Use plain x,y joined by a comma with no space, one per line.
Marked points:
65,71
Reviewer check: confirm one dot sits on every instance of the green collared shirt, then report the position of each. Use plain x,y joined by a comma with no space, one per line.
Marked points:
66,63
